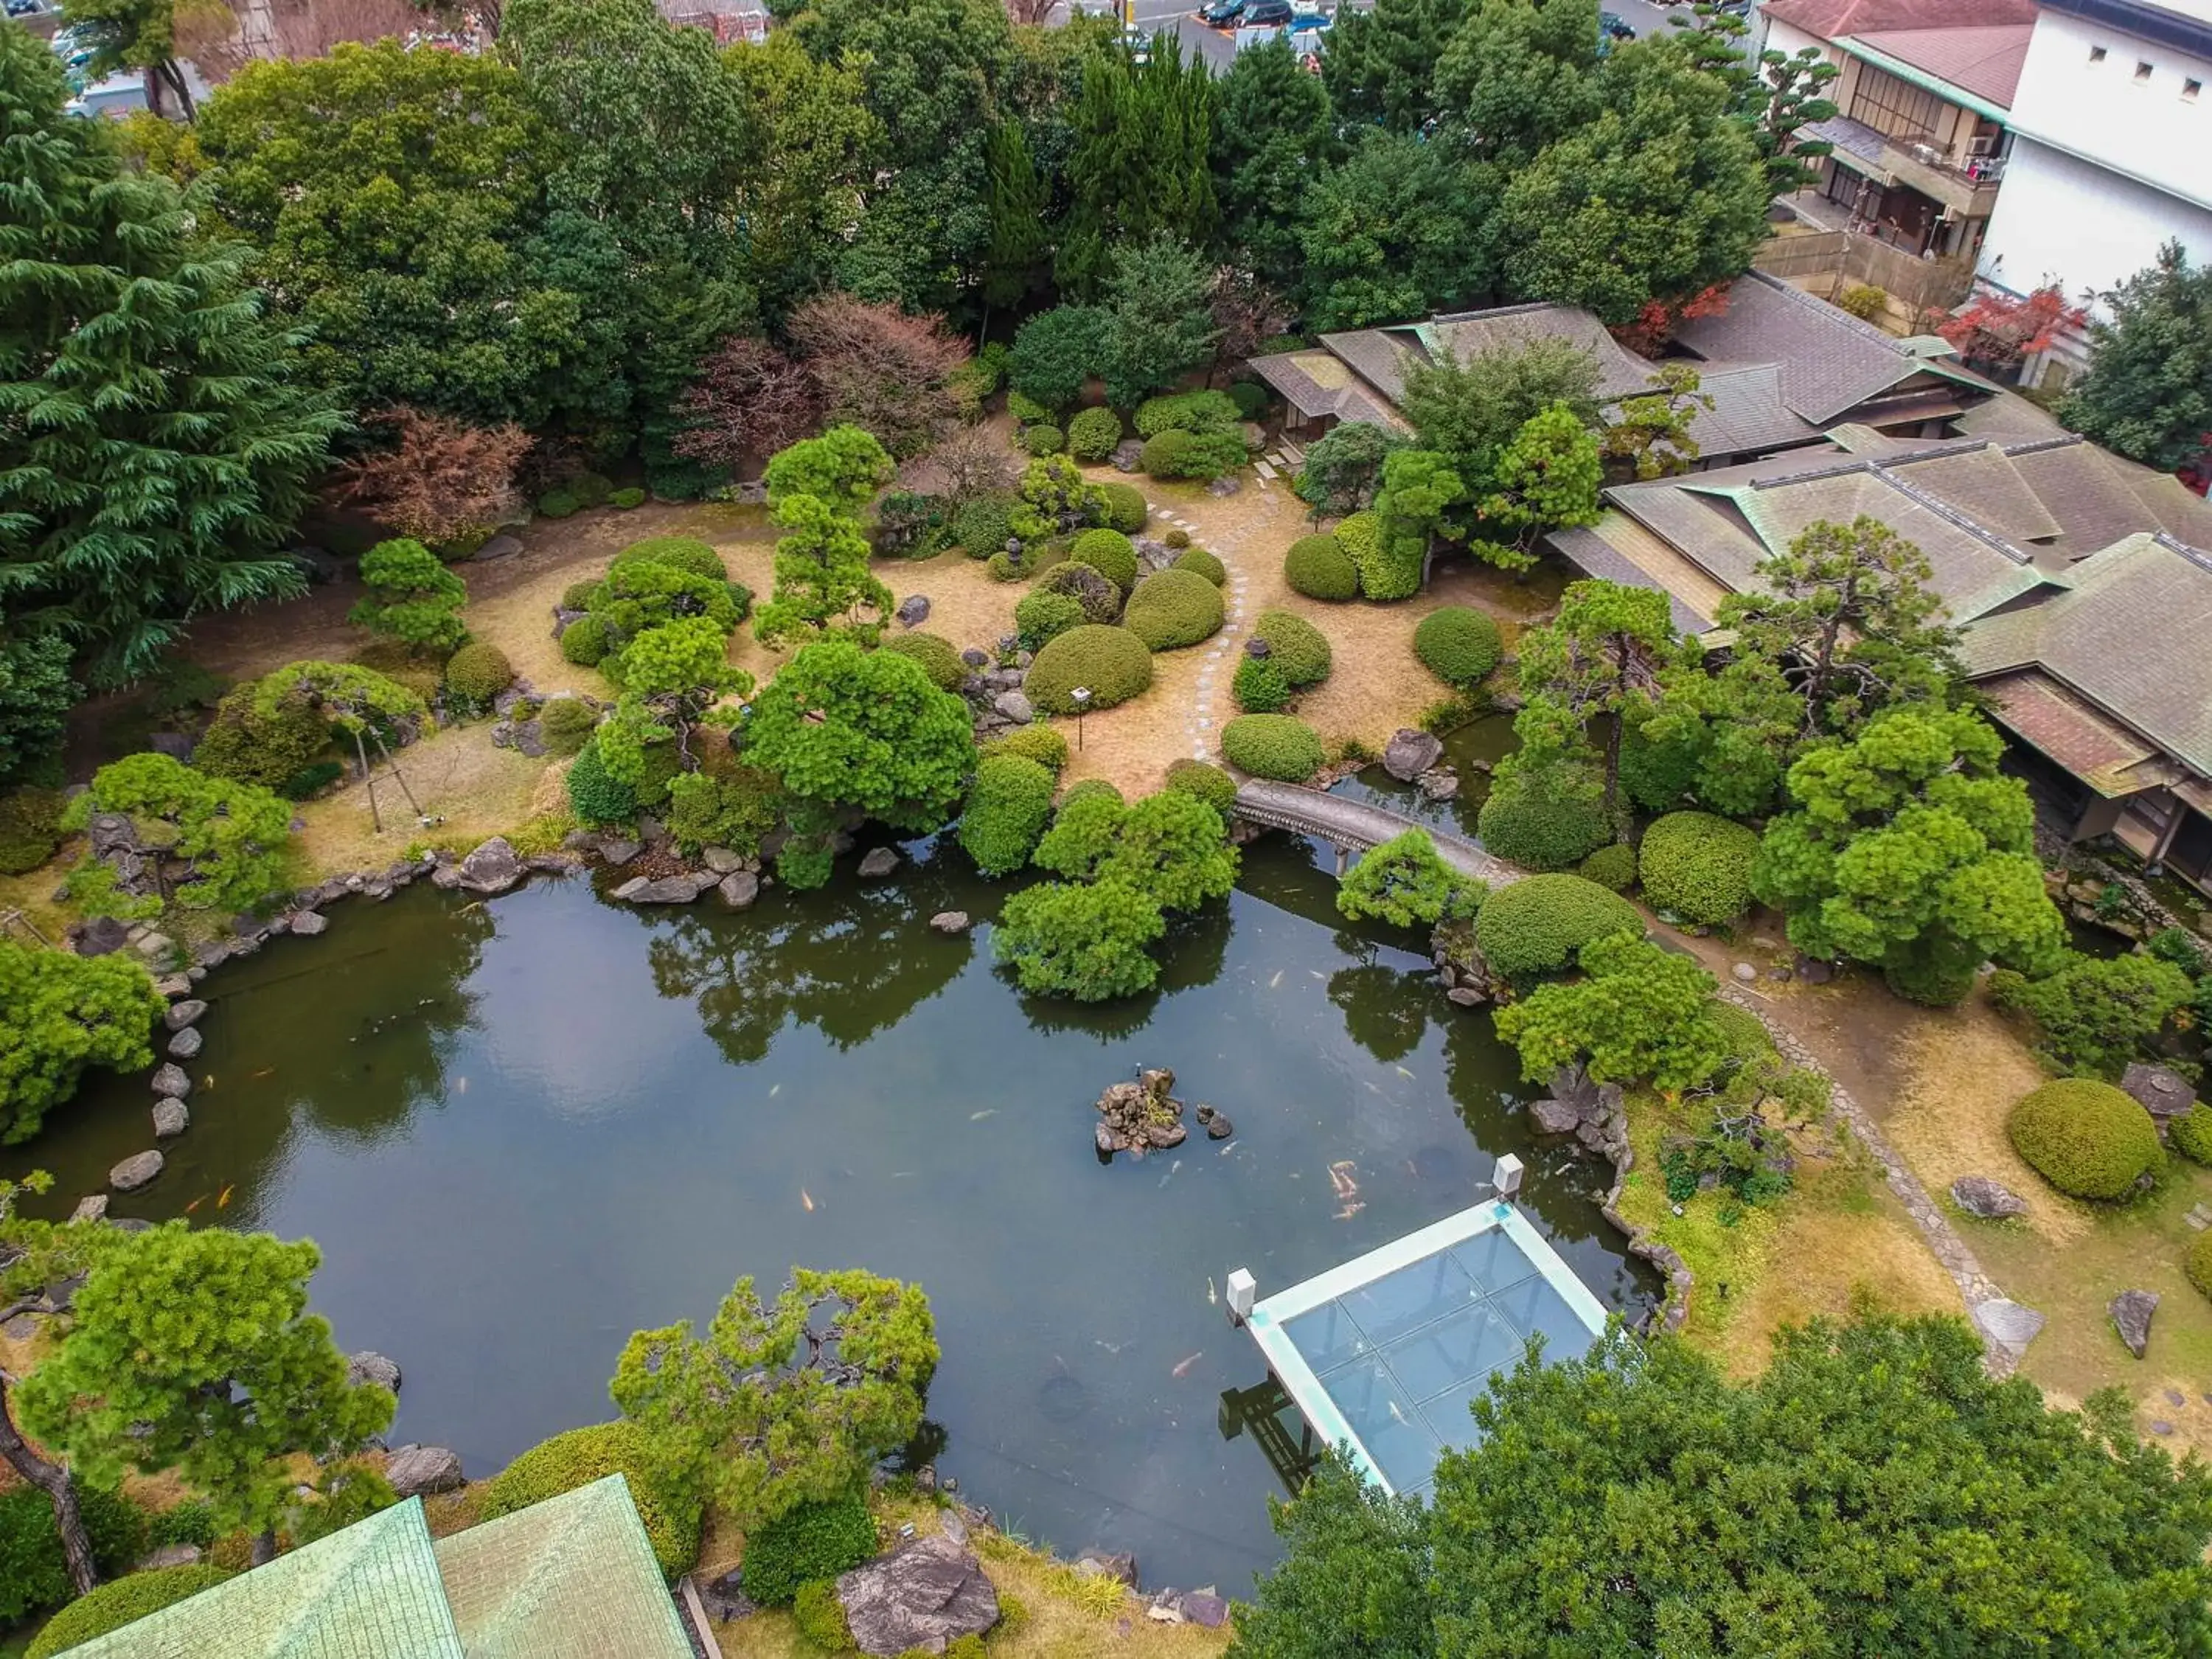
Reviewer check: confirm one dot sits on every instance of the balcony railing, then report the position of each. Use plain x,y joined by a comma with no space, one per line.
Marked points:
1978,161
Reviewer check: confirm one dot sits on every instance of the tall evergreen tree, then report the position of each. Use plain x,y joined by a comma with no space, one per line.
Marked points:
1381,65
1395,231
154,443
1274,134
2149,390
1519,74
1139,166
1014,265
1157,299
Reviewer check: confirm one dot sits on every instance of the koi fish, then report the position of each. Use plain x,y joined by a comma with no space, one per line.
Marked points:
266,1071
1350,1210
207,1082
1182,1367
977,1117
225,1198
806,1198
1402,1071
1342,1178
1212,1300
775,1089
1278,979
461,1085
195,1204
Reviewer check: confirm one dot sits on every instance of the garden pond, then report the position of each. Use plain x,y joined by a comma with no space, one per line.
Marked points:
521,1129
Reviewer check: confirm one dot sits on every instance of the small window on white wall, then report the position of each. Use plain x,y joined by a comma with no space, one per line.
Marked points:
2096,54
2143,74
2189,89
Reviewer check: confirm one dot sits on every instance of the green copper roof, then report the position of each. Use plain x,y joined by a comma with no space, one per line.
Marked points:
572,1575
369,1592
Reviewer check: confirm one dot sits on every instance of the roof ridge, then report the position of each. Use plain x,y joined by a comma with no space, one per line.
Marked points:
1942,509
2201,558
1815,306
2036,446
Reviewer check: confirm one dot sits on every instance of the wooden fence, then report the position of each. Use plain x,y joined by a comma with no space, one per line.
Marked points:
1822,261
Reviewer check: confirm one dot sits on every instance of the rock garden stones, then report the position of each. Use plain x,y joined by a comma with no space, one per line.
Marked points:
739,888
1979,1196
181,1014
136,1171
913,611
879,862
949,921
1410,753
418,1471
94,1208
2131,1311
1119,1564
186,1044
2007,1323
722,860
308,923
171,1082
1141,1116
2164,1093
492,868
1438,783
171,1119
1015,707
370,1366
667,890
925,1595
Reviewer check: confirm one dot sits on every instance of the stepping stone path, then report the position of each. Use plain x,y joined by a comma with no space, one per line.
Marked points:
1203,726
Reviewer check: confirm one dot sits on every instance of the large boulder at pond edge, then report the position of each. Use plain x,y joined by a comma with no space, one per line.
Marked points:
1410,753
879,862
171,1082
136,1171
171,1119
2131,1311
493,867
668,890
369,1366
739,888
927,1595
415,1471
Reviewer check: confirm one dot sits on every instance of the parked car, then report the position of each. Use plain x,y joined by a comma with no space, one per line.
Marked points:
1615,26
1221,14
1264,13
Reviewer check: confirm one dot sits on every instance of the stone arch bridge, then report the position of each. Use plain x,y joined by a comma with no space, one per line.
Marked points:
1352,826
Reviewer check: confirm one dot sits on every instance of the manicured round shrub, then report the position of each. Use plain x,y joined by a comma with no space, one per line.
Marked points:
1040,744
1041,616
1185,411
584,641
590,489
1295,646
1697,866
249,745
1087,789
558,504
1458,644
1613,868
980,529
685,553
937,654
1172,608
1251,398
30,829
477,672
1004,567
1258,685
2086,1139
1535,925
1043,440
1109,552
582,1456
1545,818
1206,780
820,1616
1167,455
1273,746
2190,1134
1098,594
1198,559
628,498
1177,538
577,595
1127,510
1388,570
1317,567
121,1602
1112,661
1026,410
1093,433
567,724
595,794
805,1545
1008,807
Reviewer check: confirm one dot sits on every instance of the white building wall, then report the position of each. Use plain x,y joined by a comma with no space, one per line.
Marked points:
2060,217
2068,98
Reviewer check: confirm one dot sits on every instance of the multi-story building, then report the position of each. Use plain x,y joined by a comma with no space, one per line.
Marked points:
2111,154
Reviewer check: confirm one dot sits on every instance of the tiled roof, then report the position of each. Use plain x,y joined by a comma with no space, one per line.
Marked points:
1830,360
1983,59
1378,355
2096,750
2129,637
1747,414
572,1574
1984,485
1319,383
1829,19
370,1591
1620,372
1617,548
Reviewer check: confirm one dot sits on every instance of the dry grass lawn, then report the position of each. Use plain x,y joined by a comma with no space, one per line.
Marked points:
456,774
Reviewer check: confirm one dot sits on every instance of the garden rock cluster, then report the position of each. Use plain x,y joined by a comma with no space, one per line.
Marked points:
1410,753
420,1471
1142,1116
1460,968
1591,1112
923,1595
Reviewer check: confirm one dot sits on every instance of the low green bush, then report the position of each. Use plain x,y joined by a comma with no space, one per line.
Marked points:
577,595
1089,789
1113,663
558,504
1177,538
686,553
595,794
121,1602
938,656
30,829
1319,568
1093,433
1127,510
1613,868
1043,440
820,1616
1178,454
1041,616
1040,744
2190,1134
310,781
1273,746
980,529
584,641
2094,1014
2198,1264
1008,807
1186,411
567,724
582,1456
1098,594
1388,569
1251,398
1004,567
1206,780
1458,644
34,1572
1026,410
625,499
1258,685
1172,608
248,744
1108,552
1697,867
725,804
590,489
477,672
1198,559
805,1545
1549,817
1536,926
2086,1137
1295,646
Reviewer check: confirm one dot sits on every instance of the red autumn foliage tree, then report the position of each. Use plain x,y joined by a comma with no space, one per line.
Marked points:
439,478
2000,330
750,400
1654,326
880,368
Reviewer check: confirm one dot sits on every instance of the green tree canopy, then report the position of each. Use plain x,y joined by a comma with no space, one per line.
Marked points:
844,467
1639,1014
785,1403
156,443
412,597
868,729
1405,882
1593,659
194,1351
1274,133
36,694
2148,390
1171,846
1381,63
234,836
1057,351
822,576
1156,296
1394,230
1519,76
1907,847
60,1013
1343,468
1080,939
1546,479
1138,171
1471,409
